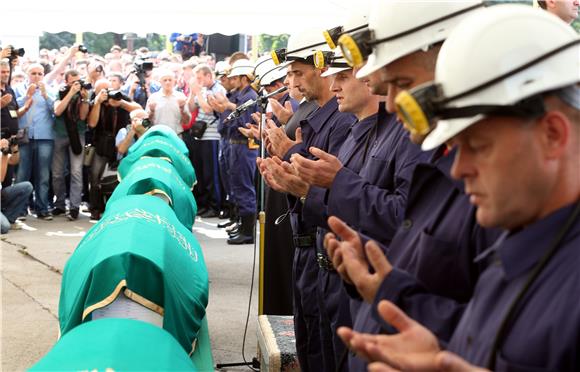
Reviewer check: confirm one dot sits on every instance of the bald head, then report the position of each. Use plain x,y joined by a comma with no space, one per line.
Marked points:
102,84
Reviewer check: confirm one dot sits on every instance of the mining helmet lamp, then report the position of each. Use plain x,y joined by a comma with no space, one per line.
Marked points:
420,107
356,47
332,35
322,59
278,56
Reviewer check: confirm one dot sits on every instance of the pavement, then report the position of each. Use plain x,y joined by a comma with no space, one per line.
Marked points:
32,262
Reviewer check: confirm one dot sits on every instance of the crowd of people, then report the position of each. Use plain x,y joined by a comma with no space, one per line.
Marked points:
421,165
72,115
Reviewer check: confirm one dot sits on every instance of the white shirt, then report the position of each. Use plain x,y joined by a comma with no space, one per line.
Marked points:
167,110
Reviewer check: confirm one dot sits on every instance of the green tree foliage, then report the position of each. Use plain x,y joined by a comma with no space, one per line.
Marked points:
100,43
270,42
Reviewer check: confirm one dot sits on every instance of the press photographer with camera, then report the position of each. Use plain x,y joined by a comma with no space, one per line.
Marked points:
36,136
71,111
14,198
127,136
109,113
140,86
10,109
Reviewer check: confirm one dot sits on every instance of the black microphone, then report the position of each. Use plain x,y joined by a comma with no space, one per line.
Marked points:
240,109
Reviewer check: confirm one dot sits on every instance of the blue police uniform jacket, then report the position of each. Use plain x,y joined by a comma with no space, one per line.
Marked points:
373,201
545,333
326,129
245,117
222,128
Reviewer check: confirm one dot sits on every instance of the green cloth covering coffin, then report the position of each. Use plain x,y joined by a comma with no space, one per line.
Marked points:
115,344
138,247
157,175
162,131
170,148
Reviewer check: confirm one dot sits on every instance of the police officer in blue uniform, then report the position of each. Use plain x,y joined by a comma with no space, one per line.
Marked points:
518,152
224,106
325,128
242,156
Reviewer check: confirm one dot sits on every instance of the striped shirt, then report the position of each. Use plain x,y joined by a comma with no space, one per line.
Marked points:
211,133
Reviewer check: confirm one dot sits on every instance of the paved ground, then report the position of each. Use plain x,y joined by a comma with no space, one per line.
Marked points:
33,259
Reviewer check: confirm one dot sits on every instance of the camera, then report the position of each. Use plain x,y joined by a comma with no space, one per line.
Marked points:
15,52
142,66
12,141
85,85
83,49
115,95
65,89
146,123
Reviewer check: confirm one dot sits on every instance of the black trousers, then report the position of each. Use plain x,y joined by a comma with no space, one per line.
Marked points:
278,256
204,158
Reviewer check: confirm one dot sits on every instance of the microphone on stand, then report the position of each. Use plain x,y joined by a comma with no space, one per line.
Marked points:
243,107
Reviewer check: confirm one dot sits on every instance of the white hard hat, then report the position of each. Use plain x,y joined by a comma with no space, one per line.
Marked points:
241,67
501,56
356,21
303,44
222,68
403,27
337,65
266,71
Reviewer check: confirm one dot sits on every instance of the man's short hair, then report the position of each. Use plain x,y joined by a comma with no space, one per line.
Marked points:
82,62
34,65
115,47
204,68
4,63
70,73
118,76
189,64
236,56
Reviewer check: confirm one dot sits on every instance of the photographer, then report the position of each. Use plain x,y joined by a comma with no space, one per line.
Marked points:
71,110
14,198
140,86
10,109
110,113
128,135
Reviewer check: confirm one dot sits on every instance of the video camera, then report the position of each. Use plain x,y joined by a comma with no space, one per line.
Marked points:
142,66
83,49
